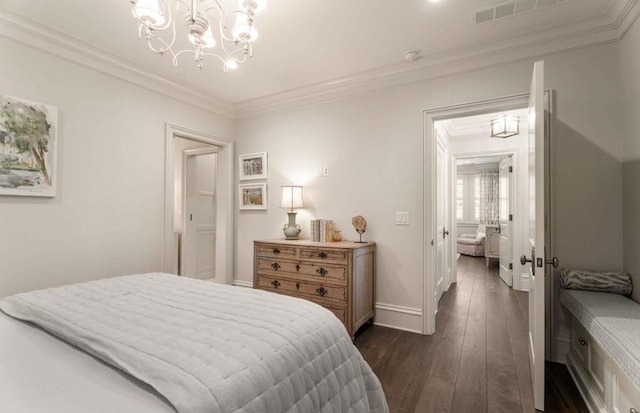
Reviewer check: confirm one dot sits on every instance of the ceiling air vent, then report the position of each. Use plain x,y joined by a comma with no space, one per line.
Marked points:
511,8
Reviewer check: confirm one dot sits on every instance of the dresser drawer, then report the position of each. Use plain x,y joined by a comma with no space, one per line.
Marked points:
274,264
302,287
339,312
323,254
331,272
266,250
334,272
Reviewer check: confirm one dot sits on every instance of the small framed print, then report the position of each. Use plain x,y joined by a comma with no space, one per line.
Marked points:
253,196
253,166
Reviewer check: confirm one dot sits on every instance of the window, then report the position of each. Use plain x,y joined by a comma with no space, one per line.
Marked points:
468,198
460,198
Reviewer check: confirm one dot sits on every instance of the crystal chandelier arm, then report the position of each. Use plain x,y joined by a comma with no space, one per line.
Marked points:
151,36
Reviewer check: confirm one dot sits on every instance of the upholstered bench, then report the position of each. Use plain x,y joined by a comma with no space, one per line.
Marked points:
604,357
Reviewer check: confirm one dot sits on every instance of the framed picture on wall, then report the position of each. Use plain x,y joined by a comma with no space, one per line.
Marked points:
28,142
253,166
253,196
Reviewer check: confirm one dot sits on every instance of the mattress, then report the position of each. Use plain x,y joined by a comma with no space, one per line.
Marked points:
204,346
40,373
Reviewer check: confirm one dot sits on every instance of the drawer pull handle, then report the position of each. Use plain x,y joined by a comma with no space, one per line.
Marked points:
275,266
632,410
321,271
298,267
275,283
276,251
297,286
322,291
582,341
322,255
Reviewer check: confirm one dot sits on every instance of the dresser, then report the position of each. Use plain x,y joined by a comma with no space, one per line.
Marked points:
339,276
492,243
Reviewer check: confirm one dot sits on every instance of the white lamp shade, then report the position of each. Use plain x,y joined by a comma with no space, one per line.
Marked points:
256,5
243,30
291,197
149,12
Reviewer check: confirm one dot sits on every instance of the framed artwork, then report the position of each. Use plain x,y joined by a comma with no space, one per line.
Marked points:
253,166
253,196
28,142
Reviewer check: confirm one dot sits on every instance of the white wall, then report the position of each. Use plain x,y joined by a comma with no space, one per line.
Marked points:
108,216
373,141
630,108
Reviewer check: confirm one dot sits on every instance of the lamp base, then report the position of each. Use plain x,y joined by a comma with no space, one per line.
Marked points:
292,230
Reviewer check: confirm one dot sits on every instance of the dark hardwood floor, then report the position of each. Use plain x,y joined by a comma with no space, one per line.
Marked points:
476,362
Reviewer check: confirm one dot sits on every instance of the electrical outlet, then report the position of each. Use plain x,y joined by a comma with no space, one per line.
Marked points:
402,218
325,171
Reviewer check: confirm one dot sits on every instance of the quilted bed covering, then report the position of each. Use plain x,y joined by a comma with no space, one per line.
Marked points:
207,347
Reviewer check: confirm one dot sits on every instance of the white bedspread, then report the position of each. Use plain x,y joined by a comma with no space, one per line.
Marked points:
209,347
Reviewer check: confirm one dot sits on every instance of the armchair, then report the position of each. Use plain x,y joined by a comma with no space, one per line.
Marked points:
473,244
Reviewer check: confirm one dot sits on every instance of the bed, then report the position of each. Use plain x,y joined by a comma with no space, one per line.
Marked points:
162,343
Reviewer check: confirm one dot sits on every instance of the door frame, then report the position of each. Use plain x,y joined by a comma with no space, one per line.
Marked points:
186,154
428,187
225,192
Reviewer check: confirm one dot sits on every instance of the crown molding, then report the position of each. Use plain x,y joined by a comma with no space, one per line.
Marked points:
624,14
578,35
35,35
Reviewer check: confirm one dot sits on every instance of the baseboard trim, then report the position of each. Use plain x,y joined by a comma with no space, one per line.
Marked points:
410,330
240,283
399,317
399,309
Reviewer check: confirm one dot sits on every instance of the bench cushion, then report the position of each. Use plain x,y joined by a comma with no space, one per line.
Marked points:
608,282
613,321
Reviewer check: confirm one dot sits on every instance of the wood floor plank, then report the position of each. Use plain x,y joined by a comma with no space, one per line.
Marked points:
478,359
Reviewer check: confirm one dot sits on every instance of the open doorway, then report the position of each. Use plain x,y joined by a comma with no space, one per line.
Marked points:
199,205
488,193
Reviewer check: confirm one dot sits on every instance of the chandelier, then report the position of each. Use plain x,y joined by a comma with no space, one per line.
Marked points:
207,25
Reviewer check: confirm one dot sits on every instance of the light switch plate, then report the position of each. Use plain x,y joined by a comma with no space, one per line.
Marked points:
318,170
402,218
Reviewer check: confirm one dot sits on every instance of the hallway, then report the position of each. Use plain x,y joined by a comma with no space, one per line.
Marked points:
478,359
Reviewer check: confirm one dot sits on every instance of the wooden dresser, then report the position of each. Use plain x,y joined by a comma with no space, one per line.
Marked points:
339,276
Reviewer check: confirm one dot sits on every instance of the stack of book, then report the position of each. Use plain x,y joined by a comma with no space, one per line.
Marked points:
321,230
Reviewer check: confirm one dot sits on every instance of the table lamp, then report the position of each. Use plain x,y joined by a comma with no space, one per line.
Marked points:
291,198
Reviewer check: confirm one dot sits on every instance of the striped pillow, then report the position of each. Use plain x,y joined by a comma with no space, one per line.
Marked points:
609,282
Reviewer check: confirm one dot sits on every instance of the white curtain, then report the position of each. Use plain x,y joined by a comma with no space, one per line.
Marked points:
489,187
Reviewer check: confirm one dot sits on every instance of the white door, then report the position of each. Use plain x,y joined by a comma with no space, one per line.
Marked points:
199,234
505,207
537,238
443,261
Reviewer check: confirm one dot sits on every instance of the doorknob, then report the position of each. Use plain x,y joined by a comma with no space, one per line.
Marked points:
553,261
524,260
444,232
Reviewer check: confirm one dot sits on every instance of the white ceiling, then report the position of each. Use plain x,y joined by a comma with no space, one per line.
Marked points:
479,125
305,42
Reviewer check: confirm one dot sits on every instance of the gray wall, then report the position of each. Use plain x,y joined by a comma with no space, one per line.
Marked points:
630,123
